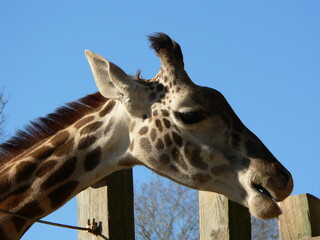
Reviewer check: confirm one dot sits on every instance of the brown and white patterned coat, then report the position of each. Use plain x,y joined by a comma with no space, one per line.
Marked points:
178,129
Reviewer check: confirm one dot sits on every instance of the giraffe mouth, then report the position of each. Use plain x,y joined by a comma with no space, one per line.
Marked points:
262,203
261,190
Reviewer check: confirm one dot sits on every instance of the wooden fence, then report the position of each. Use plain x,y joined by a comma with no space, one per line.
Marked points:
111,205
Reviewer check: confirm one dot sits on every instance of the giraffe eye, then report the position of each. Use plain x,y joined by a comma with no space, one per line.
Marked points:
189,117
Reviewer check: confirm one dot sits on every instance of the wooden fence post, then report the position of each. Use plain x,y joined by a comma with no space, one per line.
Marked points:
300,218
111,205
222,219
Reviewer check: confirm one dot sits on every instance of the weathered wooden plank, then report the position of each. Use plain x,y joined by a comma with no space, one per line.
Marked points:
222,219
111,205
121,205
93,204
300,218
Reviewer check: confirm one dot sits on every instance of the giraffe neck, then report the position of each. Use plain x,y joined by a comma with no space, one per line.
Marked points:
43,178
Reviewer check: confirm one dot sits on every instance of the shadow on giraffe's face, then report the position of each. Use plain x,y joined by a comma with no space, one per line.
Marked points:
191,135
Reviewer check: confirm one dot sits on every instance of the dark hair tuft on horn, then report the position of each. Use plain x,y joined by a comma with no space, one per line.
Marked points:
163,41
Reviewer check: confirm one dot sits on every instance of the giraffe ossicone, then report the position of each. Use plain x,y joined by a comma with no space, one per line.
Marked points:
178,129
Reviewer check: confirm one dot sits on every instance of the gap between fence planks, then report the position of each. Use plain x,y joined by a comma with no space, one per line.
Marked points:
111,203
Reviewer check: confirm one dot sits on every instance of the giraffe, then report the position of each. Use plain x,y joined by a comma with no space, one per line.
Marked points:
180,130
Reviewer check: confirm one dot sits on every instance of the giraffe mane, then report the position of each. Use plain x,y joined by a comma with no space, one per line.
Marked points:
45,127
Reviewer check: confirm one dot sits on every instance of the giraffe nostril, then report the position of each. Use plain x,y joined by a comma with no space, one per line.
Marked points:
284,173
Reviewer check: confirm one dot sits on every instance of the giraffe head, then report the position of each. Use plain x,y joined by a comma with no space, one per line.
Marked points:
190,134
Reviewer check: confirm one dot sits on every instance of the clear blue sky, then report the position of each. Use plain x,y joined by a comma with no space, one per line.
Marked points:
264,56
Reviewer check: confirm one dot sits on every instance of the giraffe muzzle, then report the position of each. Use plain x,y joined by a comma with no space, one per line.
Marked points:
279,186
269,183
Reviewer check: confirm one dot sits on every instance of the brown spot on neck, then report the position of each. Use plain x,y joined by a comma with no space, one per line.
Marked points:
42,152
61,194
25,170
46,167
109,126
13,199
83,121
5,184
86,142
64,149
107,109
61,174
92,159
60,138
90,128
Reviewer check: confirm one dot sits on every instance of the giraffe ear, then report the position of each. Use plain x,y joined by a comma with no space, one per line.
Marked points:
112,81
